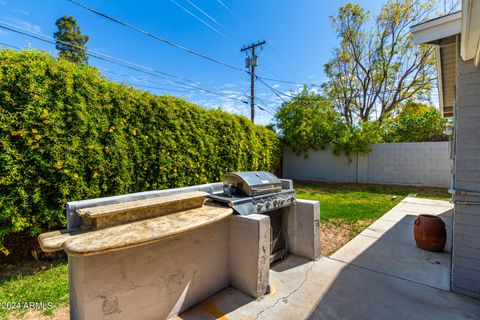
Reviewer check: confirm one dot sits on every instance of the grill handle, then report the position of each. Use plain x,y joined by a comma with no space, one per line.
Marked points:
273,189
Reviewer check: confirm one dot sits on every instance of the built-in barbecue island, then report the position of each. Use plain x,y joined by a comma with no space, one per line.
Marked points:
152,255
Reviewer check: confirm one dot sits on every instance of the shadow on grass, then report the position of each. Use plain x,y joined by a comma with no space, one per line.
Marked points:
26,267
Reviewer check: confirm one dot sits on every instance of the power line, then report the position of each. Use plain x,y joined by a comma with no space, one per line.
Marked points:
167,89
284,62
143,81
99,53
196,17
265,104
10,46
267,111
226,7
156,37
116,62
207,15
289,82
244,24
272,89
279,93
91,55
153,87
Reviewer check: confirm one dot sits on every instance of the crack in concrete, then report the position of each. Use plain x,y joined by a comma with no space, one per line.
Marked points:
288,295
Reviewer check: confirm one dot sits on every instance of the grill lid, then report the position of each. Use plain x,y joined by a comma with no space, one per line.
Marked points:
251,183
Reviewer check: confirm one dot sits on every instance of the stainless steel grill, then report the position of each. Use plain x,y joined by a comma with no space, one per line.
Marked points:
254,192
260,192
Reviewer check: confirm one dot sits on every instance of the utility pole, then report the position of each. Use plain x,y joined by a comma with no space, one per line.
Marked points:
251,62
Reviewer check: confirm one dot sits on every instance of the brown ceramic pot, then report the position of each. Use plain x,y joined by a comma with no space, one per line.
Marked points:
430,233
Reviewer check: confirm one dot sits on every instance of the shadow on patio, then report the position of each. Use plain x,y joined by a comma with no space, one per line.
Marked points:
380,274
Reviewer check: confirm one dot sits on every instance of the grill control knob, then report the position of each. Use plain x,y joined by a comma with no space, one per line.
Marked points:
259,206
267,204
281,200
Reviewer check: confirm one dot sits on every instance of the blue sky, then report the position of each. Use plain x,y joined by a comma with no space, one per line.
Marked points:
298,34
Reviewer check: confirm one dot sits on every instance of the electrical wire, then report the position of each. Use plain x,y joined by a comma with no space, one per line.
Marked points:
244,24
272,89
226,7
289,82
265,104
206,14
104,70
198,18
284,61
153,87
265,110
118,63
171,43
99,53
9,46
178,90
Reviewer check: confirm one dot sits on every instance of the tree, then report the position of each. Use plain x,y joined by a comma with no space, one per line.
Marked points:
377,66
416,123
70,42
308,121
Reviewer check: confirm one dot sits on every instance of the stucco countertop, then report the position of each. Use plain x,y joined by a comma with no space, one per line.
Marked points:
91,242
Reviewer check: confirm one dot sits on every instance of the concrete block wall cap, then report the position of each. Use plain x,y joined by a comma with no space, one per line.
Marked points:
254,216
209,188
313,202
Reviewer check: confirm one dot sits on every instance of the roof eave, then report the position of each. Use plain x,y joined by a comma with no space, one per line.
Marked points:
431,31
470,39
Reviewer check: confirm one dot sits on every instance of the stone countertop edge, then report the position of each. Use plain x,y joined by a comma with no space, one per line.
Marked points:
72,251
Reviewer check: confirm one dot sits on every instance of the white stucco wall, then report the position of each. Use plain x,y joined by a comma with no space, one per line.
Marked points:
416,164
157,280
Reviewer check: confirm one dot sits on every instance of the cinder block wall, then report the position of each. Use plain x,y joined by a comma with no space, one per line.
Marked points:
319,165
466,225
417,164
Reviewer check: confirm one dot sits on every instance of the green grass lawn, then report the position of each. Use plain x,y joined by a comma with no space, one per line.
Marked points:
354,205
347,209
357,202
44,284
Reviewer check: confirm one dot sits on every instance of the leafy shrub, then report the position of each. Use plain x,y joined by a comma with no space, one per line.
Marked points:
357,139
416,122
307,122
68,134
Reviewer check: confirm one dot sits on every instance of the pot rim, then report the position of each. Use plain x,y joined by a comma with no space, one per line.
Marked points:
429,216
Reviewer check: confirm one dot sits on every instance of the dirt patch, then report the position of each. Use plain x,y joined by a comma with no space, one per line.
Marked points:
61,313
24,253
337,232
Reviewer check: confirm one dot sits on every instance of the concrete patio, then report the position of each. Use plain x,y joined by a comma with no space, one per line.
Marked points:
380,274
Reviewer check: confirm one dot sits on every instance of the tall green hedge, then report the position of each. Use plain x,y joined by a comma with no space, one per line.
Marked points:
67,134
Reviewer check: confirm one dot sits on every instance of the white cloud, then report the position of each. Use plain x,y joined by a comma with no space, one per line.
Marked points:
23,12
29,26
